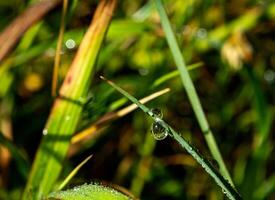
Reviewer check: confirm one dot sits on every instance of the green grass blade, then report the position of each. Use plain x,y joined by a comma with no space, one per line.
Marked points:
20,160
190,90
67,108
73,173
256,166
87,192
174,73
220,180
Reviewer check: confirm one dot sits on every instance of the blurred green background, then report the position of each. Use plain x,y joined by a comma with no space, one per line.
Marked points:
235,42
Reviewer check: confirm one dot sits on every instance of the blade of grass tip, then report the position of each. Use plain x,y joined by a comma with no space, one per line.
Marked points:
227,188
73,173
134,100
174,73
67,108
190,90
58,48
114,115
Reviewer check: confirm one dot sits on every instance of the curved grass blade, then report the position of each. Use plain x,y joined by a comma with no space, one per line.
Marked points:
73,173
227,188
191,91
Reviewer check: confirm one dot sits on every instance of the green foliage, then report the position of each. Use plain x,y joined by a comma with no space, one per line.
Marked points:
227,188
89,192
211,37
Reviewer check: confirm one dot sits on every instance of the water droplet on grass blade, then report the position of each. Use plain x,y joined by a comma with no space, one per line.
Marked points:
70,44
157,112
45,131
67,118
159,132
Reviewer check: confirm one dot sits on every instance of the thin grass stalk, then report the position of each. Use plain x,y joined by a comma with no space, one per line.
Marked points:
226,187
58,48
191,91
67,107
73,173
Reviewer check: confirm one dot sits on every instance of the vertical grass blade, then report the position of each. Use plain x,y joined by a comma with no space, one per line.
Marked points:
227,188
190,90
58,48
67,107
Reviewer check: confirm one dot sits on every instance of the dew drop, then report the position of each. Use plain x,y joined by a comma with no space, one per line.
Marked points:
201,33
158,131
143,71
70,44
45,131
67,118
157,112
269,76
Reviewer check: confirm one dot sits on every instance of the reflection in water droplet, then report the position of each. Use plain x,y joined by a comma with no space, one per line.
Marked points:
70,44
159,132
45,132
157,112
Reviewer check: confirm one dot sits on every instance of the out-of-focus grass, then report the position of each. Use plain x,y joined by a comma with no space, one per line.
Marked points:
238,103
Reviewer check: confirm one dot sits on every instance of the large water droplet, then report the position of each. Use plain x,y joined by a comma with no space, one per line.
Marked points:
159,132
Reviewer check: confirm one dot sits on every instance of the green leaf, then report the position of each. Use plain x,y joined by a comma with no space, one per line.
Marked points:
89,192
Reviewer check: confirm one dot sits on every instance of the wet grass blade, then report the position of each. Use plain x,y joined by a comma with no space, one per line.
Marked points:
83,135
67,107
88,192
190,90
219,179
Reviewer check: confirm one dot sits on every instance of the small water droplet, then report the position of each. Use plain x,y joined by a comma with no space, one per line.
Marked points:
70,44
159,132
269,76
82,100
143,71
157,112
201,33
67,118
45,131
223,191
